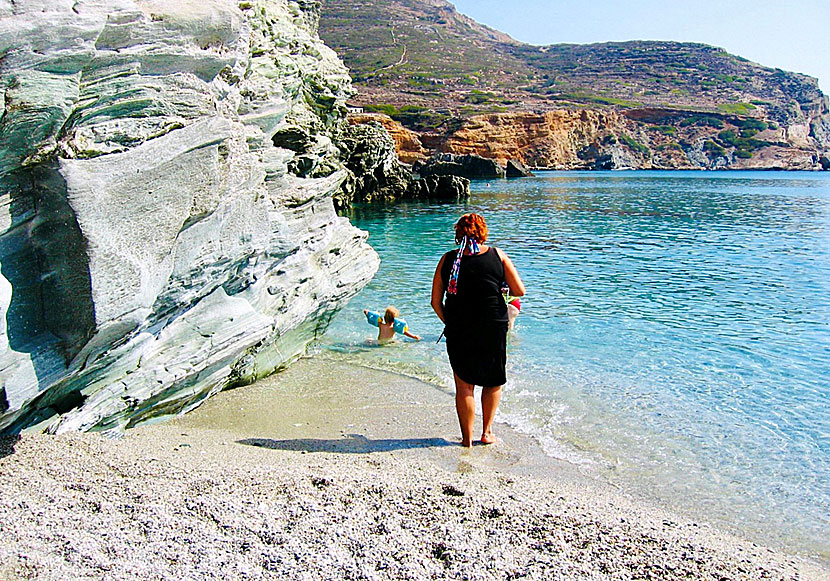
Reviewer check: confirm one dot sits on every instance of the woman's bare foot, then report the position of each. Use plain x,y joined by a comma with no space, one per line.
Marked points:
467,444
489,438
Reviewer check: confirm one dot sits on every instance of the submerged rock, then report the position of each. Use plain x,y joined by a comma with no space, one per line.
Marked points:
166,219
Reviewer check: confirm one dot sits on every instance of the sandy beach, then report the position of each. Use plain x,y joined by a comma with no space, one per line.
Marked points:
333,471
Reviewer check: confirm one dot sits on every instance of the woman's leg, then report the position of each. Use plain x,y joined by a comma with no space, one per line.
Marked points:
465,406
490,398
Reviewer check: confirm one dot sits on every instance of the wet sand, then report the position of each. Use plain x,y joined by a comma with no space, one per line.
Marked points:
311,474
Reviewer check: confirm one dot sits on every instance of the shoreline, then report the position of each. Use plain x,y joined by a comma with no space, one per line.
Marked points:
310,474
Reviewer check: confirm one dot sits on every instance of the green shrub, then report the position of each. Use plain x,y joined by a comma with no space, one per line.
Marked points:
671,145
705,120
419,81
477,97
714,148
743,154
634,144
665,129
728,137
390,110
750,123
736,108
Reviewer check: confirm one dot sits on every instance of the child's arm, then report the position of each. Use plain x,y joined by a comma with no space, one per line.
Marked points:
412,335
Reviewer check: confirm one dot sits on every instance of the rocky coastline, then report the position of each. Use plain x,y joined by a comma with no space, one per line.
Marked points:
167,226
609,140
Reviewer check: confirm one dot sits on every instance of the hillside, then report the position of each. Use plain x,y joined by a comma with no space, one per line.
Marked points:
432,68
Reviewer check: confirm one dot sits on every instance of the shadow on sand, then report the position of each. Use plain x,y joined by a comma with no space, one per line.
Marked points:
7,445
351,444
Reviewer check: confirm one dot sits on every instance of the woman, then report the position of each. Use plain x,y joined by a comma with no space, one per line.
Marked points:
475,319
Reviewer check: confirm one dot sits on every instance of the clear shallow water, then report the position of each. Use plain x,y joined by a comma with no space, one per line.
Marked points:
675,337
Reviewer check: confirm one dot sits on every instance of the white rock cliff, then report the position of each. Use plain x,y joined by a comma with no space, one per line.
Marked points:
156,242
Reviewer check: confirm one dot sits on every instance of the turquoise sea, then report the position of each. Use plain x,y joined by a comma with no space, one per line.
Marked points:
675,338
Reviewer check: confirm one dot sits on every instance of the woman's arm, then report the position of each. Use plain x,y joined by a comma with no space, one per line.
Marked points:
438,291
511,276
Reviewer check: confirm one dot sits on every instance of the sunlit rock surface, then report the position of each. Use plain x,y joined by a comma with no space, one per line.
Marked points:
156,241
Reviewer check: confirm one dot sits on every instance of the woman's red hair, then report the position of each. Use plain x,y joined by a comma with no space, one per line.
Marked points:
471,226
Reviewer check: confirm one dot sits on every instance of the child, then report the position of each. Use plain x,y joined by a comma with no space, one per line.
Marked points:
513,308
388,325
514,305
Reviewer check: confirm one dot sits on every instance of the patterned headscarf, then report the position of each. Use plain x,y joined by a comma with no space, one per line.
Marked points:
452,287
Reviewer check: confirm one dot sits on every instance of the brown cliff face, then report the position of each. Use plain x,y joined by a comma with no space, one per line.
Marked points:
641,138
407,142
556,139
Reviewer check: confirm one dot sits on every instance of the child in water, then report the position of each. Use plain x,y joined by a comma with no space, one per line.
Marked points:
388,325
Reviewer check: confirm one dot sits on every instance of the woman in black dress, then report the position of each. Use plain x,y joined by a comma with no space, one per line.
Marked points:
475,318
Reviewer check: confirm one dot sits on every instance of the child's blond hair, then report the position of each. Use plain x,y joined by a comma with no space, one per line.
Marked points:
390,315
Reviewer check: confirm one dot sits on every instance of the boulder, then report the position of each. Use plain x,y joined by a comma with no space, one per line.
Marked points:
516,169
824,161
167,228
375,173
469,166
450,188
407,142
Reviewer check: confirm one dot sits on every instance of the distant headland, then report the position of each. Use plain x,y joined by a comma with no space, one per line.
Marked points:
449,84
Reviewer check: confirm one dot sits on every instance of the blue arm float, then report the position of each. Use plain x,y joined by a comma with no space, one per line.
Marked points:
374,319
399,325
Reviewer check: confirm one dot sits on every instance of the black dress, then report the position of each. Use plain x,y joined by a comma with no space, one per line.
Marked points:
476,319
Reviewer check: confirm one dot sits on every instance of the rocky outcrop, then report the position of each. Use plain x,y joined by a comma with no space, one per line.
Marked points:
824,161
407,143
449,188
516,169
166,219
470,166
376,174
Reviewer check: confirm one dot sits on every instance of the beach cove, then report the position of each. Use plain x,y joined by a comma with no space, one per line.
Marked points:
673,340
334,471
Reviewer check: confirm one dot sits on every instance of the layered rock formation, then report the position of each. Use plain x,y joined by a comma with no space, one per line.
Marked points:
641,138
160,235
447,187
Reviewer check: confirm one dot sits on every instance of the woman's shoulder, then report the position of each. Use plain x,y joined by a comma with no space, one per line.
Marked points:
449,254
